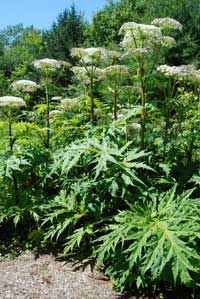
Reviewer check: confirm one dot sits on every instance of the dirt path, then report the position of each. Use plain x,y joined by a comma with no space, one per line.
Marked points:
48,278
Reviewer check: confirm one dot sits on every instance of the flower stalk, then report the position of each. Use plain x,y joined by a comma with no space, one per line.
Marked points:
47,143
143,103
92,99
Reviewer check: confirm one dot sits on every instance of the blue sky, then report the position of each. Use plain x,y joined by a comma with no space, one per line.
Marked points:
42,13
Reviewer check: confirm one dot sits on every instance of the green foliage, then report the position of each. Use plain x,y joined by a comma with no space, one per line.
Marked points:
10,164
62,212
153,240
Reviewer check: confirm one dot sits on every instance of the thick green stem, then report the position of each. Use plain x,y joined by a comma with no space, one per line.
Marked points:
115,106
10,131
11,142
15,186
190,151
92,100
143,112
166,129
47,117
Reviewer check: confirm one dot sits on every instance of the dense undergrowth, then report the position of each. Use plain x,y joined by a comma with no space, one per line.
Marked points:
110,164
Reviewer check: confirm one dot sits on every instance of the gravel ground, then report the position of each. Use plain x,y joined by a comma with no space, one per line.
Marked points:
49,278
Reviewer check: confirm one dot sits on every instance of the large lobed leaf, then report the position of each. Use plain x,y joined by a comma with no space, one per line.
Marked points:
156,238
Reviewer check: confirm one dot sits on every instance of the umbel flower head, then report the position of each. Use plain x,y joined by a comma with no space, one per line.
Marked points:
54,113
182,72
24,86
12,102
167,24
140,35
49,65
91,56
57,98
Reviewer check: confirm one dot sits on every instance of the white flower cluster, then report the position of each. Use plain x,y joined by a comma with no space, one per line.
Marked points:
182,72
167,24
57,98
24,86
89,55
94,56
168,42
12,102
54,113
140,35
49,65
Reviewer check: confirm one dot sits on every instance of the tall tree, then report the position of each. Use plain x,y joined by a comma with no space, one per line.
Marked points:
187,12
103,31
106,22
19,46
66,32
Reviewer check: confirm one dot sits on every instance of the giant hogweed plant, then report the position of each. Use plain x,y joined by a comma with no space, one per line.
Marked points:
181,108
153,241
18,203
114,78
90,71
8,104
143,44
47,68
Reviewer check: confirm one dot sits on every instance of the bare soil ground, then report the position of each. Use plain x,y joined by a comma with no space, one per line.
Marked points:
49,278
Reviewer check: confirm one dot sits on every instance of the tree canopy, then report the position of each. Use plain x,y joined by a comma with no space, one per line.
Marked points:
65,33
